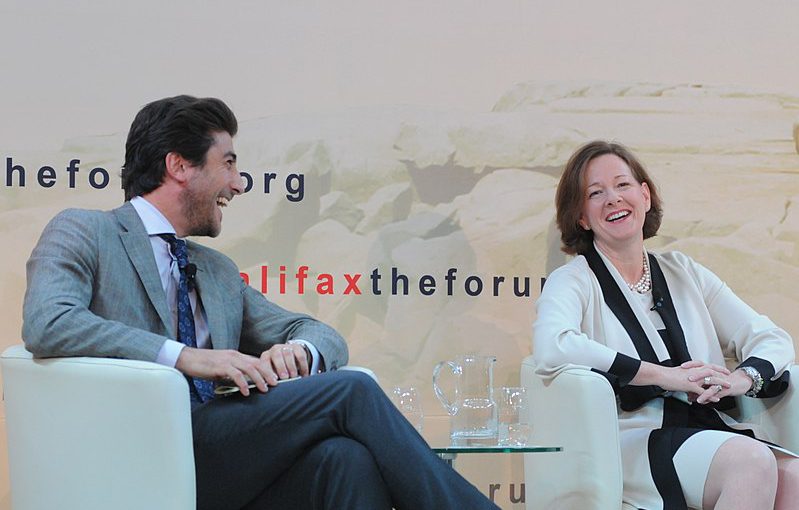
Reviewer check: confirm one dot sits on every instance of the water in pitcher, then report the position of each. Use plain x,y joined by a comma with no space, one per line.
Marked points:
476,420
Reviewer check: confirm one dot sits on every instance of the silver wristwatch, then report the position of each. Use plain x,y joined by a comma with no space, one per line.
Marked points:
757,381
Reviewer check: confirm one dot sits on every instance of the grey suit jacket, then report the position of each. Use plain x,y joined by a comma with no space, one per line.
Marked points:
94,290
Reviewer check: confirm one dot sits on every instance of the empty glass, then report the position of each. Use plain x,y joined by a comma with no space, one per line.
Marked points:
513,421
408,402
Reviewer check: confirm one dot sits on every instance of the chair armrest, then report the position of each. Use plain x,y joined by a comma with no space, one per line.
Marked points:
97,433
575,410
353,368
777,416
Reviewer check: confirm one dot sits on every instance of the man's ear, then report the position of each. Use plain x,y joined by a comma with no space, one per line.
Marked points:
176,167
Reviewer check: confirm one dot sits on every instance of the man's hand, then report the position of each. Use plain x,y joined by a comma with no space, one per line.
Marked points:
226,364
281,361
285,360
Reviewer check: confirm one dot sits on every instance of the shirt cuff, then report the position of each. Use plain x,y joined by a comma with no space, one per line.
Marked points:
764,367
625,368
771,386
168,355
315,356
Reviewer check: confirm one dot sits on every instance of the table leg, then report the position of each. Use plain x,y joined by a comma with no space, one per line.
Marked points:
449,458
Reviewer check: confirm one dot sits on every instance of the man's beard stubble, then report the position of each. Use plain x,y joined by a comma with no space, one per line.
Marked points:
200,214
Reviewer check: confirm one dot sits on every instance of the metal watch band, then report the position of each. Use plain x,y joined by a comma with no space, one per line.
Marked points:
757,381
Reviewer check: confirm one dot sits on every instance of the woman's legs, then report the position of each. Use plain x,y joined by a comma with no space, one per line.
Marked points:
743,475
788,484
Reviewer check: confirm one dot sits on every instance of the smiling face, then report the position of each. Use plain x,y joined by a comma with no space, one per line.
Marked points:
210,187
614,204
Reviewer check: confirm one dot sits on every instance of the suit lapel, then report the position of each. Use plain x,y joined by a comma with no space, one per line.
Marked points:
212,301
618,304
139,250
676,337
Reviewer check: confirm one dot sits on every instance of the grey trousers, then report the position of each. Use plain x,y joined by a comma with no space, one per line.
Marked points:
329,441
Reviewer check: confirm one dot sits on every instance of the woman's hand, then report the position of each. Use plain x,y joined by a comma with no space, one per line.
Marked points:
712,379
738,383
692,377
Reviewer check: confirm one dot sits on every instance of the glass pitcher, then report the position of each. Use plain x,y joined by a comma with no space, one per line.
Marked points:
473,411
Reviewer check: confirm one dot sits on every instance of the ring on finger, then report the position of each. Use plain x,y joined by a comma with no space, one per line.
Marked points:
718,388
706,380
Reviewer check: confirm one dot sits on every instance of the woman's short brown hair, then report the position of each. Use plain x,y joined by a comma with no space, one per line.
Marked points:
571,194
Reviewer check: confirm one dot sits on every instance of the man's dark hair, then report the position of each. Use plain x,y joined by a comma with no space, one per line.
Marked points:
181,124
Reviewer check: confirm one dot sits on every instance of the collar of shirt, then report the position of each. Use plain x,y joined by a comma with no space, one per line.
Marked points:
154,222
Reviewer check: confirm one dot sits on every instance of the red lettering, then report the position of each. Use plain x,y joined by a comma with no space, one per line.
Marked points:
302,273
352,283
325,285
282,279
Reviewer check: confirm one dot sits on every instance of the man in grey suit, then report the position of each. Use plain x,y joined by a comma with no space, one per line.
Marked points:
123,283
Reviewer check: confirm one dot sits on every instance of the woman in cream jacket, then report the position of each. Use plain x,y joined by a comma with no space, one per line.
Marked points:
659,326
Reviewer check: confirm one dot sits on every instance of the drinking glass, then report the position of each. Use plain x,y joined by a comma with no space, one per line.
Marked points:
514,417
407,401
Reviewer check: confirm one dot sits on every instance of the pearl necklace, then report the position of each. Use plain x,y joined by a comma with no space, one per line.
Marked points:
645,283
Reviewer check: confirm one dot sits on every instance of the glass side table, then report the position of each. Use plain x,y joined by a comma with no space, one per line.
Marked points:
436,433
450,453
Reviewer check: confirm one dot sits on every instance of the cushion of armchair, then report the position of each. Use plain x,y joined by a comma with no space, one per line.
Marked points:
97,433
575,410
777,416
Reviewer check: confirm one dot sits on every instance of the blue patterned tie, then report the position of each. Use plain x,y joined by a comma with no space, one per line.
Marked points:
202,389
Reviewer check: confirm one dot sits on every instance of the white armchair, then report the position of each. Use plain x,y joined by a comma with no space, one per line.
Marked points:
577,410
97,433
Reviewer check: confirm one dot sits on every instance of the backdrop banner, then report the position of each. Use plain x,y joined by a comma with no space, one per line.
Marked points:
423,229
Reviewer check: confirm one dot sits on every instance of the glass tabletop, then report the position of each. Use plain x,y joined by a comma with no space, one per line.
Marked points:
495,449
436,433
